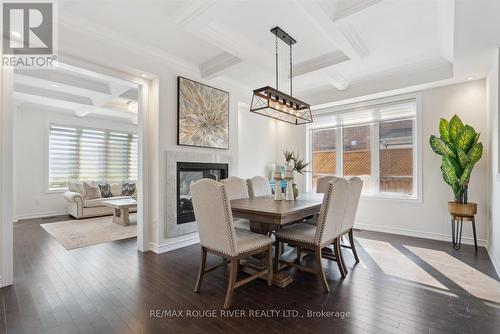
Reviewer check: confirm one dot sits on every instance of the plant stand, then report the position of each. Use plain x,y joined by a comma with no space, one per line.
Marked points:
460,213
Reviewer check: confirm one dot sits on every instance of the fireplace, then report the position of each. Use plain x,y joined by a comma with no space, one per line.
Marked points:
187,173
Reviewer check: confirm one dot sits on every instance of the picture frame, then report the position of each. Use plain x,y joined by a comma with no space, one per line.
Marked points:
202,115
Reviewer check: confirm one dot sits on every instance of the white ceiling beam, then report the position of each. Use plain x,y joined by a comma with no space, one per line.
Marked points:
237,45
319,63
55,106
345,9
51,94
77,24
396,79
67,79
99,101
115,91
199,17
131,94
218,65
190,11
335,78
342,37
446,28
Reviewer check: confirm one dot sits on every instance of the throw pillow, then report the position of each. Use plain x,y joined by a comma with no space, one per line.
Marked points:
91,190
116,189
105,189
128,188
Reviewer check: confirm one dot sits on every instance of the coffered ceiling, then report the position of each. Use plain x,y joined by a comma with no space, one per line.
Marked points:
345,48
75,91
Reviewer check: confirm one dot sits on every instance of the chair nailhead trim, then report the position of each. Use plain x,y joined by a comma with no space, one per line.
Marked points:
325,210
229,224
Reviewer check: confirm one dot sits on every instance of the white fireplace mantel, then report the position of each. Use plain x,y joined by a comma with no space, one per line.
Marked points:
172,157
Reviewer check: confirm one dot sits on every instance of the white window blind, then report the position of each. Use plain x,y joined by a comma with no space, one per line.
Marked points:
78,153
365,114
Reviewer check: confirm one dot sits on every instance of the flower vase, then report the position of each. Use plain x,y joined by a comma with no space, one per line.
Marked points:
289,183
277,189
295,191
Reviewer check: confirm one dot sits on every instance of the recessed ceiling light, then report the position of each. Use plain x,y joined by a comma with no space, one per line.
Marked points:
16,34
54,85
144,75
470,78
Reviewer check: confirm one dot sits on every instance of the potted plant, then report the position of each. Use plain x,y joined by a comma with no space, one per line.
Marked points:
299,166
459,146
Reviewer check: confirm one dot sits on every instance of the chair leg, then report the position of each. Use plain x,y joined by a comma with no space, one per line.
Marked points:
277,255
353,247
299,255
340,260
231,282
270,265
201,272
321,273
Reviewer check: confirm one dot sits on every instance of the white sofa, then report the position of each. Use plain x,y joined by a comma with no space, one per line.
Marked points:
78,207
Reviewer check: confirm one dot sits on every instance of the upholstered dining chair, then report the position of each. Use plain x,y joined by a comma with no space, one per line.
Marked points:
355,187
322,183
236,188
326,232
321,188
259,186
218,236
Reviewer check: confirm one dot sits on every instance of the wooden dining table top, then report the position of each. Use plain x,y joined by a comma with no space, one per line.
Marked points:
266,210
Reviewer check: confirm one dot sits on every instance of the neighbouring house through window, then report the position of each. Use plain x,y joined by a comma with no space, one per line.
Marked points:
375,141
81,153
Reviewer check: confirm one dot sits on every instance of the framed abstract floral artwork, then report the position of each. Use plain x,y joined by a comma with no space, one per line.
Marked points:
202,115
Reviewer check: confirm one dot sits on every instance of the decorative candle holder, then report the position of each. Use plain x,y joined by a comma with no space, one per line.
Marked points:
277,185
289,183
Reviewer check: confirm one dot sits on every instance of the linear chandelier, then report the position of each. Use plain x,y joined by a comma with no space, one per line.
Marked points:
271,102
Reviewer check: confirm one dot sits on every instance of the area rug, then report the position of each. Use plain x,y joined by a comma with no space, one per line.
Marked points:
90,231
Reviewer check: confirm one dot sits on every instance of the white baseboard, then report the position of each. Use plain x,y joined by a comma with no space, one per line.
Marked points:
494,259
175,243
418,234
39,215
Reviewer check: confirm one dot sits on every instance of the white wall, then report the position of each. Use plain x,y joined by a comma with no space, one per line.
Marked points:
30,147
256,143
429,218
493,120
292,138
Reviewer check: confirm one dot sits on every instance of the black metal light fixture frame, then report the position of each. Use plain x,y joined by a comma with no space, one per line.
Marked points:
271,102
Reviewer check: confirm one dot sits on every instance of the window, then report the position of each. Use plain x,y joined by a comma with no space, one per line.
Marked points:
357,154
375,141
323,153
396,156
77,153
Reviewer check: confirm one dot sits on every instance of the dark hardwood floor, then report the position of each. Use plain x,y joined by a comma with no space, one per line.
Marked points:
402,285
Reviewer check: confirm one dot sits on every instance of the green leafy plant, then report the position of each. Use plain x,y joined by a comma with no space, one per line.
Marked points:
289,156
300,165
460,148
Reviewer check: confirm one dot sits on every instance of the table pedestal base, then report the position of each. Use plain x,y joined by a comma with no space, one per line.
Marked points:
121,217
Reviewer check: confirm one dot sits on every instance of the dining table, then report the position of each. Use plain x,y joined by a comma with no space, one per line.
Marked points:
266,215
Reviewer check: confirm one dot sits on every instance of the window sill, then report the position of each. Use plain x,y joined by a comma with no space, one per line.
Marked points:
392,198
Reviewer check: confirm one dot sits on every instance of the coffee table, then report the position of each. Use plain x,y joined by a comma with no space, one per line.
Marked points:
122,207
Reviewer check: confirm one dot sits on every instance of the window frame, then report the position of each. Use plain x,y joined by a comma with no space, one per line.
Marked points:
416,197
49,123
